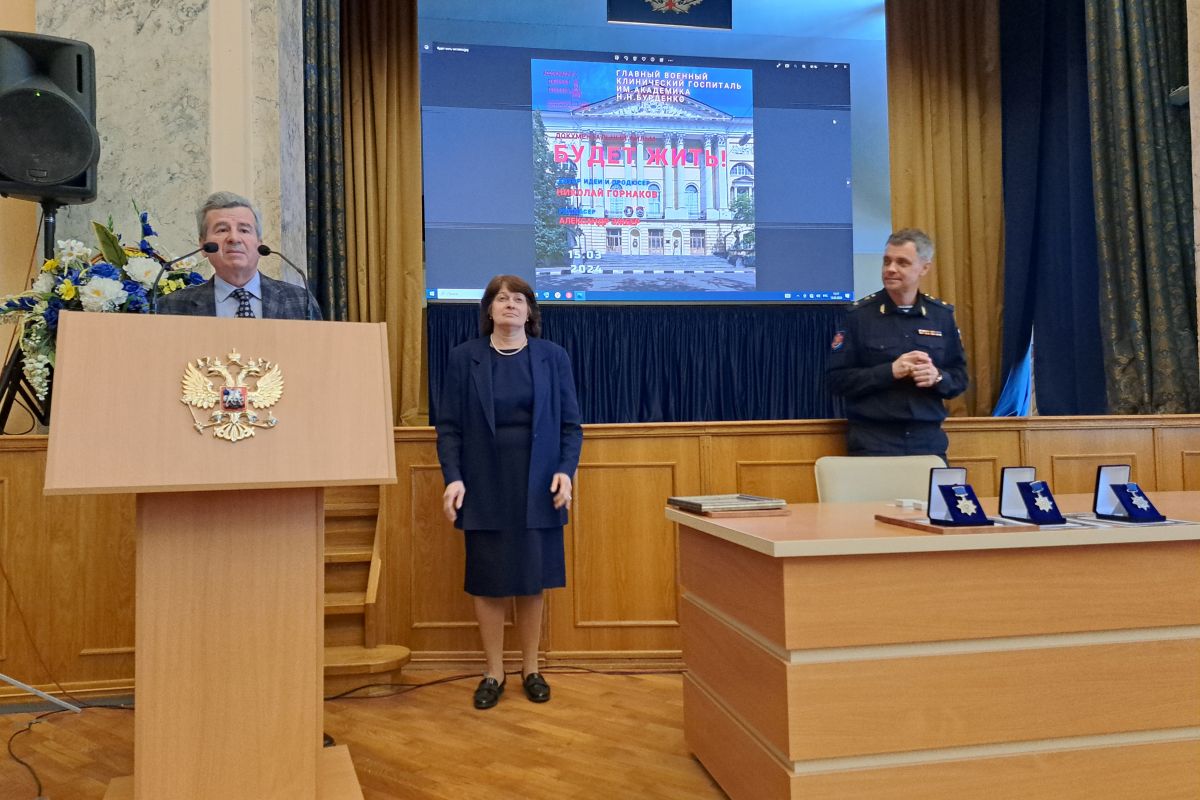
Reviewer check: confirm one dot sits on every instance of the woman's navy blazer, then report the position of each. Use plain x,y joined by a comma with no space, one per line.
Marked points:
466,431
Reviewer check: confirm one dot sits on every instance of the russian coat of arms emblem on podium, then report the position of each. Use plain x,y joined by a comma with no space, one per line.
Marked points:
236,408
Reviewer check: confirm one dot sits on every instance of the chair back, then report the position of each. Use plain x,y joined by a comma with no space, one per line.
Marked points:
850,479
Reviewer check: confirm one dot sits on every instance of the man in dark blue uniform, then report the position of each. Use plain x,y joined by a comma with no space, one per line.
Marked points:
897,357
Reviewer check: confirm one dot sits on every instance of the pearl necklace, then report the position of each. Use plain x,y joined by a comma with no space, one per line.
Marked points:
507,352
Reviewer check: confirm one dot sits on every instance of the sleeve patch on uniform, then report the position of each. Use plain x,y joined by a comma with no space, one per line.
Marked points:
839,341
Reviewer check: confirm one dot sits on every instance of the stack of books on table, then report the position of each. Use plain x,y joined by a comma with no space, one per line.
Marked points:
714,503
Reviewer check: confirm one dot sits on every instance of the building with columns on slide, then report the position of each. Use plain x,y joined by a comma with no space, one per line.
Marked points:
652,174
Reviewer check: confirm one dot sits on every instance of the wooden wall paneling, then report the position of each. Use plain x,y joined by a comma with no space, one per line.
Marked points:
396,502
91,550
622,555
108,545
984,450
1068,454
4,554
435,618
615,547
71,563
71,559
92,558
772,459
1177,458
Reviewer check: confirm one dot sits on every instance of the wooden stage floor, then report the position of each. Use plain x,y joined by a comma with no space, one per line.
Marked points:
601,736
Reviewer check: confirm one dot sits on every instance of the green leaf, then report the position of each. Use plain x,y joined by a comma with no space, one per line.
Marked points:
110,246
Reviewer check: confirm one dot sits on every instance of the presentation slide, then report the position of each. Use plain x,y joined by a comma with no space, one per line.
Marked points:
607,229
650,175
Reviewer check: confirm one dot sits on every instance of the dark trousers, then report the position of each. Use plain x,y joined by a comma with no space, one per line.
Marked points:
865,438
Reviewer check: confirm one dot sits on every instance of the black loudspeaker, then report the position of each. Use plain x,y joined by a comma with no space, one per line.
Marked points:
49,146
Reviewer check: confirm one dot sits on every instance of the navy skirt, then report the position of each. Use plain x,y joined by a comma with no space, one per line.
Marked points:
510,563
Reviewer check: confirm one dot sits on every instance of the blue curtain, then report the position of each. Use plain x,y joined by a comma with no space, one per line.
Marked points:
1051,288
675,363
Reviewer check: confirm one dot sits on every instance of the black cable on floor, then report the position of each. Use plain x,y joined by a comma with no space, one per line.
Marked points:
564,669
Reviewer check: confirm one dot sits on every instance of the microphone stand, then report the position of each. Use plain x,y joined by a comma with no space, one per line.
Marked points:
208,247
263,250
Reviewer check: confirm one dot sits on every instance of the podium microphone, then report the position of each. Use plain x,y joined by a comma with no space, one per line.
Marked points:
263,250
208,247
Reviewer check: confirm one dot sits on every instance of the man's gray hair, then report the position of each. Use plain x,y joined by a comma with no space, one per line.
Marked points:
919,239
219,200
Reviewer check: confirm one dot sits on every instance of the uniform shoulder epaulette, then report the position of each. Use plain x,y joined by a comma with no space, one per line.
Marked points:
937,301
871,298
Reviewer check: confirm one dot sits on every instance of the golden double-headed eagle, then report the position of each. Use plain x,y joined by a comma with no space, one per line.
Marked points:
236,405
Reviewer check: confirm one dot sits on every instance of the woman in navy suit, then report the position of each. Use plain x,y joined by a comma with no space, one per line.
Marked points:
508,442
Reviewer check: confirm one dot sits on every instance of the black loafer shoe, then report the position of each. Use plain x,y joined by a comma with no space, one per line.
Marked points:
487,694
536,688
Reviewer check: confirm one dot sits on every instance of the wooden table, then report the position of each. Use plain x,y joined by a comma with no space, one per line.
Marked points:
831,656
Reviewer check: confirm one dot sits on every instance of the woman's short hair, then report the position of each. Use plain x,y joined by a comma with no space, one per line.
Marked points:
533,325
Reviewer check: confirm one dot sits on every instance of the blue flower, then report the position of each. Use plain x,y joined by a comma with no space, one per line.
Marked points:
137,302
146,247
194,278
24,303
105,270
51,313
146,229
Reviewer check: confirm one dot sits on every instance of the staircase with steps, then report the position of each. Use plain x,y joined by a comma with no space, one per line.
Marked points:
354,530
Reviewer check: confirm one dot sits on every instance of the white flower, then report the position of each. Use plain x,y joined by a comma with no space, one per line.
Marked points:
44,283
188,263
73,250
142,270
102,294
37,372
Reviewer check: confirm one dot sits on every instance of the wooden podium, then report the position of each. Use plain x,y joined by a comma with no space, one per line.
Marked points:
229,551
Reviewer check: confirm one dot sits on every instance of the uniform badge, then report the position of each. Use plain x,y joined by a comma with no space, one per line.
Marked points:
839,341
678,6
236,405
926,332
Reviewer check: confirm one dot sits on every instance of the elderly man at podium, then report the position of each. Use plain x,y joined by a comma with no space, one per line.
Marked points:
231,236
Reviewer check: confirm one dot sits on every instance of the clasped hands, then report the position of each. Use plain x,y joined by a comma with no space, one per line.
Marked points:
916,364
452,498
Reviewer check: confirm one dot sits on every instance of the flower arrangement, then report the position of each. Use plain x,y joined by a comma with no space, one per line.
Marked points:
116,278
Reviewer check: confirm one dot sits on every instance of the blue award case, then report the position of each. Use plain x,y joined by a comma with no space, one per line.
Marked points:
1121,500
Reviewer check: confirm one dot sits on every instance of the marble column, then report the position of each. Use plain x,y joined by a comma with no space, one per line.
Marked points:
192,97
